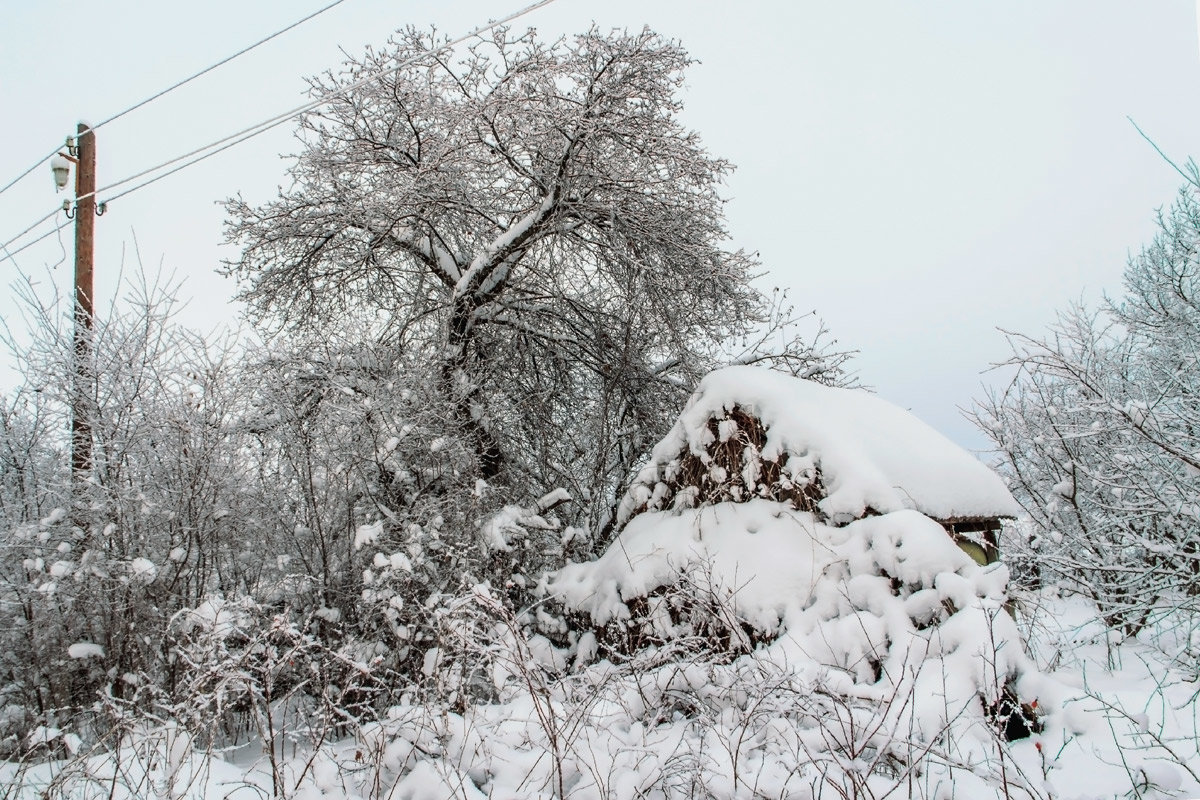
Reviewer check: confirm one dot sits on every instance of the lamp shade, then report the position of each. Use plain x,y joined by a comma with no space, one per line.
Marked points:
61,168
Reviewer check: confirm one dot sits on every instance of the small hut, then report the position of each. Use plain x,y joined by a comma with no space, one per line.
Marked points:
842,454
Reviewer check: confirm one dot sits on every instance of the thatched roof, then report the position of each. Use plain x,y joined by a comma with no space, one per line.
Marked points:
748,432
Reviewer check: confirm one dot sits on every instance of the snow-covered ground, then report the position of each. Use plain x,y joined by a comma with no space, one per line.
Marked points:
1121,721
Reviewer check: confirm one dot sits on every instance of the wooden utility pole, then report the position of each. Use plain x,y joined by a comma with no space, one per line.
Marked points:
85,240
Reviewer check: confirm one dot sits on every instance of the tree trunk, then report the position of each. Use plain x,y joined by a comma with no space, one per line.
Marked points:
463,393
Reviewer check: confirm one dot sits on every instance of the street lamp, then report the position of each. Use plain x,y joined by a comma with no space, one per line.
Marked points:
60,165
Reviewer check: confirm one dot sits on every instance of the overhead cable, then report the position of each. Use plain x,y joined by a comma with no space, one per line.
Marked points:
212,148
220,63
31,227
32,167
175,86
10,254
224,143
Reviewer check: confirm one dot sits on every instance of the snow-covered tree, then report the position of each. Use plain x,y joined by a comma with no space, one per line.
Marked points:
1100,429
532,223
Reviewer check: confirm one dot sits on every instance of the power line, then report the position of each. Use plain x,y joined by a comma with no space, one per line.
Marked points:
11,253
175,86
226,142
31,227
220,63
249,135
250,132
253,130
34,166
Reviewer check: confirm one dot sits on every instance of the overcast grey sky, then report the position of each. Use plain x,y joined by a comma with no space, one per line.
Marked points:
919,173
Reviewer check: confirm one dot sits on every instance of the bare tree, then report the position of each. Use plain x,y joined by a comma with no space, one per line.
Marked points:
532,222
1100,429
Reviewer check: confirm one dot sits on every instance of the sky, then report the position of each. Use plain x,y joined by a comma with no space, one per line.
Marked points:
921,174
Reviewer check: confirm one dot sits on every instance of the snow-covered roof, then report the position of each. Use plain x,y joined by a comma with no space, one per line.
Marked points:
869,453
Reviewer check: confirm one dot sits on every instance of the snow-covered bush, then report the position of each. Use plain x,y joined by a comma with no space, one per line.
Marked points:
245,673
317,481
1100,433
94,565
